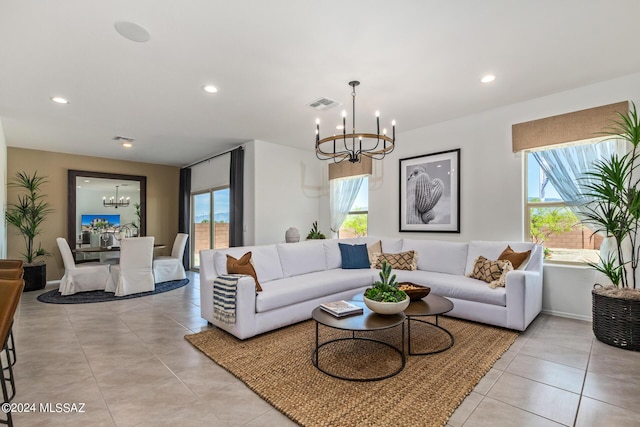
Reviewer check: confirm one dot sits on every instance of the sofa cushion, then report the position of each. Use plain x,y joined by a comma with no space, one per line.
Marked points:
354,256
301,258
439,256
518,259
491,250
389,245
265,261
332,255
400,261
243,266
492,272
451,286
293,290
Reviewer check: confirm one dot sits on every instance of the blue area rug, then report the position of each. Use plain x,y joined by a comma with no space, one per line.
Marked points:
54,297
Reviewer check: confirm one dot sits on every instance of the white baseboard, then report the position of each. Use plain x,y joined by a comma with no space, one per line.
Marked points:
568,315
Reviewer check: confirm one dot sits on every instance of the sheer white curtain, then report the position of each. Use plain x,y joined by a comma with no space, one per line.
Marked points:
343,193
566,166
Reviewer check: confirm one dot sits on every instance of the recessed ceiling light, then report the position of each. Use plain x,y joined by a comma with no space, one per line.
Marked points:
209,89
132,31
124,141
59,100
488,78
339,127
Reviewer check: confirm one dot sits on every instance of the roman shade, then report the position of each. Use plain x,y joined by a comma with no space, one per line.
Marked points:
576,126
346,169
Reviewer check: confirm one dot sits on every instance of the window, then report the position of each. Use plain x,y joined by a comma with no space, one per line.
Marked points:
210,222
548,219
355,224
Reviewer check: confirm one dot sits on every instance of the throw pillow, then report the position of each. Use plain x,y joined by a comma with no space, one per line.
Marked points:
400,261
354,256
374,252
492,272
517,258
244,265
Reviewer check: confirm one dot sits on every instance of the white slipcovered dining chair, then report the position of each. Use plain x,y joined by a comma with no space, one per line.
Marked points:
134,274
166,268
88,276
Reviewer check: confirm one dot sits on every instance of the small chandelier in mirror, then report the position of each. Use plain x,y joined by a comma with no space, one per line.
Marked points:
115,202
350,146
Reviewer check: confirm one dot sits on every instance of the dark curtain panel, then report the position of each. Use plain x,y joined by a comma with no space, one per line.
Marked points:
184,209
236,196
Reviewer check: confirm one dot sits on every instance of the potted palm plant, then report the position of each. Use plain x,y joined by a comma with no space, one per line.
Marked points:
613,209
28,215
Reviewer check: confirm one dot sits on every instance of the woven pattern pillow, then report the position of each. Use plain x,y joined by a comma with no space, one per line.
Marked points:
492,272
244,265
400,261
516,258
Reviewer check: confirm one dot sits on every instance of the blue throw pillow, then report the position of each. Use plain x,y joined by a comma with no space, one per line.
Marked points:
354,256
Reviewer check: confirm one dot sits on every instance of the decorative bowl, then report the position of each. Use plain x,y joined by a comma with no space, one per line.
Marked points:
415,292
387,307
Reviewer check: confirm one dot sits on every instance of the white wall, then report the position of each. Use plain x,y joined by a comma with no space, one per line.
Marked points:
287,191
492,180
3,192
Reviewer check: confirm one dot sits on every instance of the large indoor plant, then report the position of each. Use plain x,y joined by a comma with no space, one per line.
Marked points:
613,210
385,297
28,215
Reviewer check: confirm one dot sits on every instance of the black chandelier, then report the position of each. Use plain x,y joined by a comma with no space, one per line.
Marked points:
115,202
350,146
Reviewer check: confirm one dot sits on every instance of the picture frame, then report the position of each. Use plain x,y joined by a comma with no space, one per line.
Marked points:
429,196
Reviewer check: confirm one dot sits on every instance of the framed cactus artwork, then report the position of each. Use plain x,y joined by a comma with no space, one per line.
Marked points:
430,192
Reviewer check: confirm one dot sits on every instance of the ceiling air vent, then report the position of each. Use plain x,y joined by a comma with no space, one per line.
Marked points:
324,104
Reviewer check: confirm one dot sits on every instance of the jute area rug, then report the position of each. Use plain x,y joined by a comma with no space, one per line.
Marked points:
277,366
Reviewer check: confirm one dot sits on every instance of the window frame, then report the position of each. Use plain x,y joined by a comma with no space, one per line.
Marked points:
192,223
529,205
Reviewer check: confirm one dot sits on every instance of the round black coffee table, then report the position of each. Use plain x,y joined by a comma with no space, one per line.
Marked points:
367,321
431,305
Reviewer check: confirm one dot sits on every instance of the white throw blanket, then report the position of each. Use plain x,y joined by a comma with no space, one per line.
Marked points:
224,298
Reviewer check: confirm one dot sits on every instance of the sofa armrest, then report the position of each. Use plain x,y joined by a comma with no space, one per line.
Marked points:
524,298
245,324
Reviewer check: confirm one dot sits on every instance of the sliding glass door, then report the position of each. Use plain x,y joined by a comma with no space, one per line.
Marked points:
209,222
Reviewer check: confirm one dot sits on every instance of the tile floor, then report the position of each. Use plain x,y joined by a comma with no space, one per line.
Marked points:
129,364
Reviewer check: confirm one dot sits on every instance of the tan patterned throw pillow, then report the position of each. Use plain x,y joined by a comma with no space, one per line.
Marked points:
492,272
400,261
374,251
244,265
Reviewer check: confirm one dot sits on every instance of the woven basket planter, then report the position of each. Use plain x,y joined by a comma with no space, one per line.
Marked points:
616,320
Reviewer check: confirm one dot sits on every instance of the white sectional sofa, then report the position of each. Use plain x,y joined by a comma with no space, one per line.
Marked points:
297,277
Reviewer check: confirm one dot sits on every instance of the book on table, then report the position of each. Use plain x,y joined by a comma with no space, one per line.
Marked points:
341,308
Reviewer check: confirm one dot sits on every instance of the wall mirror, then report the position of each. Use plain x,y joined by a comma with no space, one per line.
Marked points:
94,208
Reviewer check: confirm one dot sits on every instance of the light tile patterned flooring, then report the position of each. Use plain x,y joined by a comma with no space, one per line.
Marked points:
130,365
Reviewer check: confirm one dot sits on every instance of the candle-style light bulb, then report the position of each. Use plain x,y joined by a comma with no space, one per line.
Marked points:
384,131
377,113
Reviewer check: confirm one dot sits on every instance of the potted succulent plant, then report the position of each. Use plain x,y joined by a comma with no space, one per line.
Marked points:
314,233
385,297
28,215
613,209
